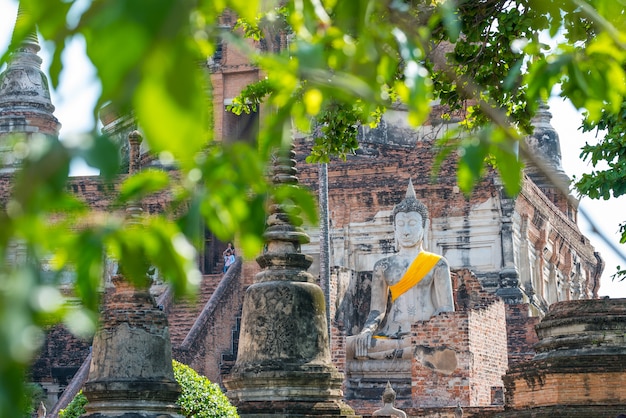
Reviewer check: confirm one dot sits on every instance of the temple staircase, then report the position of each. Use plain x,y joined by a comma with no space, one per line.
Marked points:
184,311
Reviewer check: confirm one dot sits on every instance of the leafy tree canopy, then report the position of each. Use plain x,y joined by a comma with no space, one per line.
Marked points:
346,62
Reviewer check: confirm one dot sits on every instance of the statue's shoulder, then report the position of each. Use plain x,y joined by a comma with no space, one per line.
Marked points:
442,266
384,263
443,261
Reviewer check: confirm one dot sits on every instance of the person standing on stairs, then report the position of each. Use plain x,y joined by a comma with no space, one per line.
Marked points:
229,259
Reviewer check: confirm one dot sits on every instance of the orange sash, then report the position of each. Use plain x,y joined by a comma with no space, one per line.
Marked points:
418,269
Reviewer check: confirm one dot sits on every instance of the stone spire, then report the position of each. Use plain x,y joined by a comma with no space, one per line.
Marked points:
544,143
25,105
283,366
131,368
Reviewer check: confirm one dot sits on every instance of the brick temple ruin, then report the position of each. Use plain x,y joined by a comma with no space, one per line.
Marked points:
512,258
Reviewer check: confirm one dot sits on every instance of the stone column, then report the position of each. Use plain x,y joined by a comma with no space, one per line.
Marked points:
283,366
324,238
131,368
508,283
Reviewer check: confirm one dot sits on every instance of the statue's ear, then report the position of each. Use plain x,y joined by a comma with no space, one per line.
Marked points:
426,230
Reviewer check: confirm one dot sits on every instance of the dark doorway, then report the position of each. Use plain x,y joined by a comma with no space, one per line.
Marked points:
211,260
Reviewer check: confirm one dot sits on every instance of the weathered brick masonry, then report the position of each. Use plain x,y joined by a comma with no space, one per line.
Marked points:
580,366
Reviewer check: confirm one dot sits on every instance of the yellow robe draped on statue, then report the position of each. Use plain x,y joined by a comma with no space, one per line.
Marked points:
418,269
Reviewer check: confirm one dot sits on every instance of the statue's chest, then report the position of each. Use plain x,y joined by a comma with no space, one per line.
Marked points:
395,272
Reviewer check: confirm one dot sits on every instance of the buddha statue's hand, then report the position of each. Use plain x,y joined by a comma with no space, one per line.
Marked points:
362,344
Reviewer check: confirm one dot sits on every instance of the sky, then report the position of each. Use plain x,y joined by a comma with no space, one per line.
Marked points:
78,90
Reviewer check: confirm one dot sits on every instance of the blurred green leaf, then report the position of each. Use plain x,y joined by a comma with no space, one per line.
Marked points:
142,184
104,155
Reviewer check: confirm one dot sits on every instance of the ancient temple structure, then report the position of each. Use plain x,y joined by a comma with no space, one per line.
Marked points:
25,105
526,250
511,258
579,368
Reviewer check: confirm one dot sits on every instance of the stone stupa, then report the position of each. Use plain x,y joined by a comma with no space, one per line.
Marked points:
283,366
25,104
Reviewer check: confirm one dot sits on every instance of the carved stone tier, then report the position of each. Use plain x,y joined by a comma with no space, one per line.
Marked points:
580,366
25,105
367,378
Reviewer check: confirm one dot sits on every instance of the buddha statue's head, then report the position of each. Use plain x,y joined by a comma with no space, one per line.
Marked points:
410,220
410,203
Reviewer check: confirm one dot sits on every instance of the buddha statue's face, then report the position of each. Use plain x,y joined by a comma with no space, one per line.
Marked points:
409,229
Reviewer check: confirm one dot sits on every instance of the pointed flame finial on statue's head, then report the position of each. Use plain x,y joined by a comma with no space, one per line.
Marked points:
411,204
389,395
410,193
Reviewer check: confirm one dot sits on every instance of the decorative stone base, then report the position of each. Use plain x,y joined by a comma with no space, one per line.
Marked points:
275,385
282,393
294,409
366,379
138,414
125,399
580,366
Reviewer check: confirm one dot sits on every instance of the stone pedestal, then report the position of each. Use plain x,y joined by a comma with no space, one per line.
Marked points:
366,379
131,369
283,362
580,366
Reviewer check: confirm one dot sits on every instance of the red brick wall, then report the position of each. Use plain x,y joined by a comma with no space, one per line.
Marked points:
521,335
477,333
365,184
430,388
61,356
488,345
602,388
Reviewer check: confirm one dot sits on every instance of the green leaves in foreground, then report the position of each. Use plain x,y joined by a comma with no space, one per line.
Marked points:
489,146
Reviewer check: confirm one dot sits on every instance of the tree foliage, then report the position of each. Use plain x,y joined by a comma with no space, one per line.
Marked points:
345,62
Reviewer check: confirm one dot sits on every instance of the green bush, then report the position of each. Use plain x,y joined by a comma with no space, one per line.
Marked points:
33,396
75,408
199,397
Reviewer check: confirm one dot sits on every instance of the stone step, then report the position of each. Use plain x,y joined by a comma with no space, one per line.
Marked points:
184,311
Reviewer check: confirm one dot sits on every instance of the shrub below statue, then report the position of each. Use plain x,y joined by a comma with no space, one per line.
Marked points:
199,397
